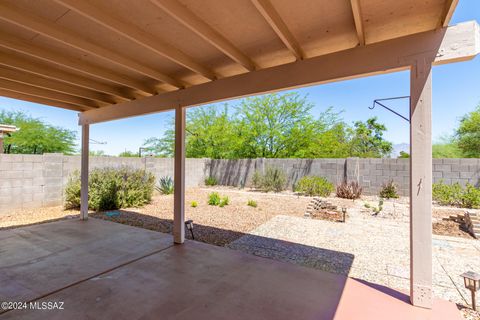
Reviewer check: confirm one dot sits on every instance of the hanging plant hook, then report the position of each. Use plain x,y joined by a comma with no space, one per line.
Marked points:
377,101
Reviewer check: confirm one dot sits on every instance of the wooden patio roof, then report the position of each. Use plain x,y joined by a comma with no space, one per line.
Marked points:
83,55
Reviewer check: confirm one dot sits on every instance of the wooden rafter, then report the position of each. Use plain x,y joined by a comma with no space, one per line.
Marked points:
357,16
41,69
267,10
54,85
42,26
47,94
448,10
205,31
457,43
137,35
39,100
12,43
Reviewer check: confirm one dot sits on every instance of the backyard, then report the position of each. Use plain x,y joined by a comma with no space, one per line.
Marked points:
273,225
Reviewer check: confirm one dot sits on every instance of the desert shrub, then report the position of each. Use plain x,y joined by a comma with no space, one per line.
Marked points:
274,179
257,179
214,199
314,186
471,197
224,201
252,203
349,190
111,188
447,194
456,195
165,185
211,181
389,190
194,204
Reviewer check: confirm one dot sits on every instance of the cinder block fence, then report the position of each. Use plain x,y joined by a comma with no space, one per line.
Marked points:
29,181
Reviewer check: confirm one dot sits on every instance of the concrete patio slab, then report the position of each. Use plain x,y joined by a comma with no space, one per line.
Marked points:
193,280
39,259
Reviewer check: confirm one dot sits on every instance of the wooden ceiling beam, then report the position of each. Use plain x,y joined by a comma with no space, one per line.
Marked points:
30,49
46,28
43,101
181,13
47,94
41,69
448,11
45,83
452,44
357,16
137,35
267,10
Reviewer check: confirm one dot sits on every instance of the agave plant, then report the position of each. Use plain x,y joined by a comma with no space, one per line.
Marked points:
165,185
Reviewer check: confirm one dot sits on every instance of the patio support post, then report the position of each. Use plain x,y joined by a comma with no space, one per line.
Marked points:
421,183
84,173
179,177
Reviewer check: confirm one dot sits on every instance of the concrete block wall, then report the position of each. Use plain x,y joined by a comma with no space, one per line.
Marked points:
451,171
33,181
29,181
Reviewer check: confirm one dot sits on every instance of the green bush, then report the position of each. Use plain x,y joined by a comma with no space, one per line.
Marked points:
194,204
314,186
225,201
471,197
214,199
274,179
456,195
252,203
211,181
111,188
389,190
165,185
447,194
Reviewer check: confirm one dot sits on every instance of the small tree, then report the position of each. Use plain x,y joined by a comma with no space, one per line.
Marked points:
367,140
35,136
468,134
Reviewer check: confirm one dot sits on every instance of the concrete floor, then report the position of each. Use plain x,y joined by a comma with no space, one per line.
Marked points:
103,270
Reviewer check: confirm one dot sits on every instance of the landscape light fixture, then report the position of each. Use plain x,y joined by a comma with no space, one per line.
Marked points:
189,225
472,283
344,214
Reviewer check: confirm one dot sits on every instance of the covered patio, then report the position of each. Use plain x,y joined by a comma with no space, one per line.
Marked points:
111,59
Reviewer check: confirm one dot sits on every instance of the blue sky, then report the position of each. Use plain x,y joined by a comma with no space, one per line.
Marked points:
456,91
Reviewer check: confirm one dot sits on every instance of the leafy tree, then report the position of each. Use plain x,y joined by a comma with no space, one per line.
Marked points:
468,134
404,155
328,139
35,136
275,126
446,147
272,126
210,133
367,139
128,154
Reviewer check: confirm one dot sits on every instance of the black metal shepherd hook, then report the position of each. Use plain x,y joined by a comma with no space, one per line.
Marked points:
376,101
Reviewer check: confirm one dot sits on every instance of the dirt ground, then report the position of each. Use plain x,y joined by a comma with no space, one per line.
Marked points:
212,224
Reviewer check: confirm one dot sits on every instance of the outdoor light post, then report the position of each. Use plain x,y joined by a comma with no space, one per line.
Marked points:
344,213
189,225
472,282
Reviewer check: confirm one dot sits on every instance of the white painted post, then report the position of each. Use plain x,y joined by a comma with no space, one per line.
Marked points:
421,184
179,177
84,173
